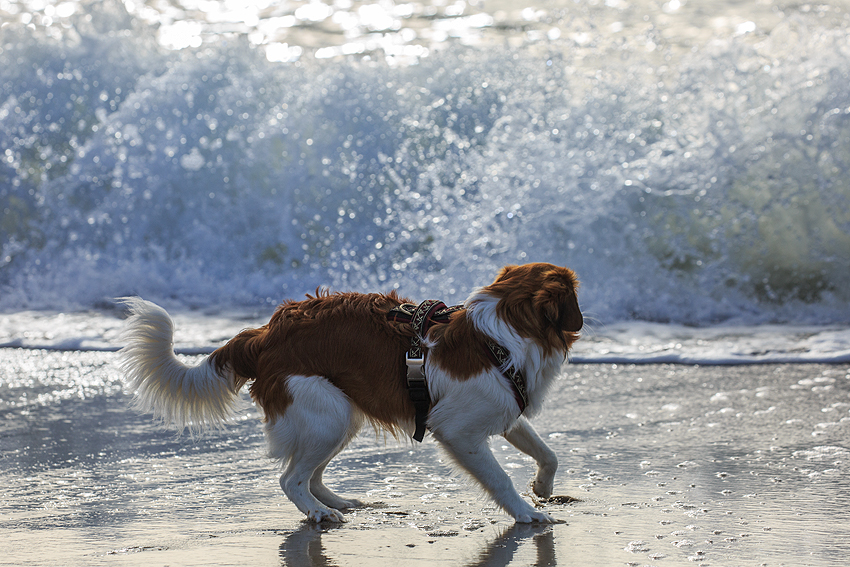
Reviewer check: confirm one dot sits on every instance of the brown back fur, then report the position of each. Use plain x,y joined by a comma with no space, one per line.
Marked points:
344,337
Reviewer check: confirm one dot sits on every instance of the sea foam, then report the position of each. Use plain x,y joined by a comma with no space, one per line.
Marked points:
689,187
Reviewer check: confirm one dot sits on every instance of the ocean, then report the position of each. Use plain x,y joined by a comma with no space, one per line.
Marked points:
687,159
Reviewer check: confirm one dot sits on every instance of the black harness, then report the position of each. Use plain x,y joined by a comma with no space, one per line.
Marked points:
422,317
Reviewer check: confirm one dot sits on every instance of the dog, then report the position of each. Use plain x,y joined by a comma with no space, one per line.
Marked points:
323,366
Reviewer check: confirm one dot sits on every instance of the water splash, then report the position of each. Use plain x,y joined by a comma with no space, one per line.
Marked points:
689,187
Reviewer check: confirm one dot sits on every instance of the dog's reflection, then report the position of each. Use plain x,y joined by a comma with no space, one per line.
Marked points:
303,547
501,550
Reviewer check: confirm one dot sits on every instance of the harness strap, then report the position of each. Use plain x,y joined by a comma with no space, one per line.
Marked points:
500,356
422,317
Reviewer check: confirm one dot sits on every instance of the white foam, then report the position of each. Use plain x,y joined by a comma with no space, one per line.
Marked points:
679,192
637,342
623,343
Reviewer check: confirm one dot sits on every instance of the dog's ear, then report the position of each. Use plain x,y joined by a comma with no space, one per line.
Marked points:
558,303
570,318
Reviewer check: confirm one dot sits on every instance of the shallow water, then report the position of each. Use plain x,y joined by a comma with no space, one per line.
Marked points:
741,465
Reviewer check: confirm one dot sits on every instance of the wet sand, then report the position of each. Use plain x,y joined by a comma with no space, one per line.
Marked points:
674,465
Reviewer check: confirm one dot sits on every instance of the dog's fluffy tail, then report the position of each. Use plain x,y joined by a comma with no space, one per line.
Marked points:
196,397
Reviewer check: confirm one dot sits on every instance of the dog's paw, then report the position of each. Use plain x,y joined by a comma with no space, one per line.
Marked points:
533,516
350,503
529,515
320,515
335,502
542,488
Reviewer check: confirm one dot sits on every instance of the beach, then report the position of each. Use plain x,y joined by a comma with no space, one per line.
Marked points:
688,159
671,464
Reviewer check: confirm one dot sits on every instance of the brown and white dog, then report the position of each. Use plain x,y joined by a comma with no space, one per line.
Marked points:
323,366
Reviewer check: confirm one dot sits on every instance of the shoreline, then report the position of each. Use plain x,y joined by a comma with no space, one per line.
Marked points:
725,466
635,342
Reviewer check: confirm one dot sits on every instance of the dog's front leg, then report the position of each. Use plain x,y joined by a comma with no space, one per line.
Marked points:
478,460
525,438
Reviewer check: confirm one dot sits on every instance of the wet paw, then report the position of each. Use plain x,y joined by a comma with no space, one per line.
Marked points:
351,503
542,488
536,517
335,502
326,515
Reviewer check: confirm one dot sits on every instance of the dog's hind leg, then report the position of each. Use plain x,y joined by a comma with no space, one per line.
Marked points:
313,429
317,487
525,438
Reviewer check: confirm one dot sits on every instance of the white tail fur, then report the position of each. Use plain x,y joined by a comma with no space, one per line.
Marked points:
185,396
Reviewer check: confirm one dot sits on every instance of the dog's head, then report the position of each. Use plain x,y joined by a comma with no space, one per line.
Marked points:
540,302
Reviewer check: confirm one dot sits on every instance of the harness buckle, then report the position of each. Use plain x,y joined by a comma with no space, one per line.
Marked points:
415,370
